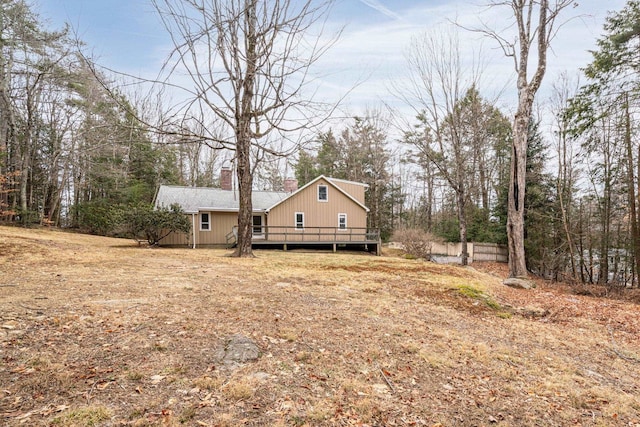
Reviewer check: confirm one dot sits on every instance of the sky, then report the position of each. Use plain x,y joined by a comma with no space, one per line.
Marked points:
126,35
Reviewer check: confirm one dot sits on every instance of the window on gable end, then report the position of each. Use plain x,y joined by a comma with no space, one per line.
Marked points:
323,193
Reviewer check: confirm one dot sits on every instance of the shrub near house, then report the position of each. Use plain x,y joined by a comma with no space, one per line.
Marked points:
144,223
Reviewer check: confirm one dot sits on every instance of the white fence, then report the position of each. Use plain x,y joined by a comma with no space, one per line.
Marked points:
491,252
478,252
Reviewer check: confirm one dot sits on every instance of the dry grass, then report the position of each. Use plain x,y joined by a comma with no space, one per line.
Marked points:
88,416
97,331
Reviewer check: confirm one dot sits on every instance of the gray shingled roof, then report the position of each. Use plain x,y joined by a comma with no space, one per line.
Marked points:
195,199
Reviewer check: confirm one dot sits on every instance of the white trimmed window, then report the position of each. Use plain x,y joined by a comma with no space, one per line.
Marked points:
342,221
323,193
205,221
299,220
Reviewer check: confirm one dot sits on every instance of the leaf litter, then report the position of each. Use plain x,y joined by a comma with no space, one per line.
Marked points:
99,331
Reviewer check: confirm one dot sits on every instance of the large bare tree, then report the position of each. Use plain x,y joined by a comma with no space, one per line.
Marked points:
438,82
247,66
536,22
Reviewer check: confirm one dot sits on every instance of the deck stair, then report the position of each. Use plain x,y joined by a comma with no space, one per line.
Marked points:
232,237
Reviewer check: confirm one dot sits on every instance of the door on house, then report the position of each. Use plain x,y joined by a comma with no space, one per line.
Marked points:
257,226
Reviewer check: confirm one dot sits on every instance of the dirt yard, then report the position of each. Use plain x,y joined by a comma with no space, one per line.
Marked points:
102,332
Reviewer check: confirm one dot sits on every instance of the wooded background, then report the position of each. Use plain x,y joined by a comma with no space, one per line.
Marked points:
74,144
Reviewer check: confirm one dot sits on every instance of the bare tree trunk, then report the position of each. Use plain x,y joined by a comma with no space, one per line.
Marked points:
515,207
430,197
8,140
25,166
563,184
28,151
565,174
27,144
633,213
243,137
605,203
484,185
530,35
636,276
245,214
462,221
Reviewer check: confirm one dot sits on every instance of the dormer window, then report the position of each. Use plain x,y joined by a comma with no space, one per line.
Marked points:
323,193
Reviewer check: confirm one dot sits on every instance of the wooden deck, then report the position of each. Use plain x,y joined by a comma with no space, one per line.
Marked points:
334,238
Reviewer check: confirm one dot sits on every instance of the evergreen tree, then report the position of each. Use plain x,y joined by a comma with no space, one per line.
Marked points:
305,168
601,116
359,154
541,216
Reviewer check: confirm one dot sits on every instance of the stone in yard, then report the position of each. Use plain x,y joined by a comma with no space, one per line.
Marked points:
520,283
238,349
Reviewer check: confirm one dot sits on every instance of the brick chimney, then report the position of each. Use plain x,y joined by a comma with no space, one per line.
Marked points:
226,178
290,185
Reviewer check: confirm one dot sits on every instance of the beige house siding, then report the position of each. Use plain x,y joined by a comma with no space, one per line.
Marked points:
221,224
316,214
177,239
354,189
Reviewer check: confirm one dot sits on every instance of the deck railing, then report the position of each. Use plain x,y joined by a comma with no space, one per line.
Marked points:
292,234
315,234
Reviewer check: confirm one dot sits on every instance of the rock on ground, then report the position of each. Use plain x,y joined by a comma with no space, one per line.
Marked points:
520,283
238,349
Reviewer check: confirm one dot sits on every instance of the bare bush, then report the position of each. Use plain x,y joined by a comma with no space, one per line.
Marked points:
416,242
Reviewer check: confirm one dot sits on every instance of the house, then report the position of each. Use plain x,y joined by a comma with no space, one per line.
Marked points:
325,212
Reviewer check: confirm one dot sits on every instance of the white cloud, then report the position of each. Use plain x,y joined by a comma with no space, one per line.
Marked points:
375,4
371,50
376,51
